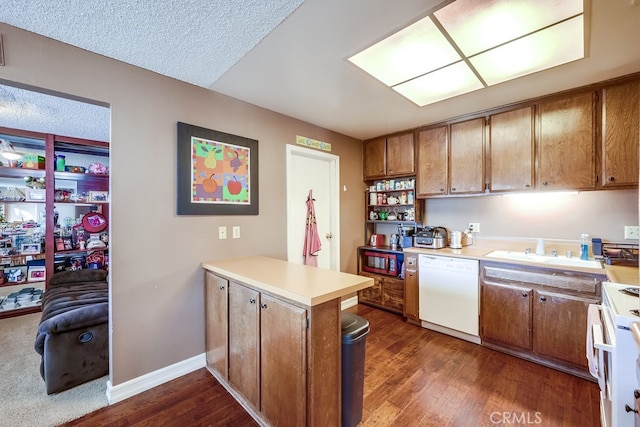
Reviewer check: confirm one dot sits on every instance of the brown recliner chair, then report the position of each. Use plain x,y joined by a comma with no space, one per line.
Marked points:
73,334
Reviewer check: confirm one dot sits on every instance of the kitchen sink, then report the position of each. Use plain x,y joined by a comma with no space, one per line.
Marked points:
545,259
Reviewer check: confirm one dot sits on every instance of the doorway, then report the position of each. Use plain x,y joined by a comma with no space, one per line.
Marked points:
309,169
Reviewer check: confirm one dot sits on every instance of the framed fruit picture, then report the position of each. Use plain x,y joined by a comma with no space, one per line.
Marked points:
217,172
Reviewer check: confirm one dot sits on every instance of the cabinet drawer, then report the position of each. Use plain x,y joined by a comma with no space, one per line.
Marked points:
561,279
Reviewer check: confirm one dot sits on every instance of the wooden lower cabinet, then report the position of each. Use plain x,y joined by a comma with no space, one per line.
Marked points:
279,359
283,360
216,295
244,336
559,318
386,293
411,289
505,315
538,313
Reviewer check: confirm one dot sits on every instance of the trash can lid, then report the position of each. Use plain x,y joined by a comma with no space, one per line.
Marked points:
353,327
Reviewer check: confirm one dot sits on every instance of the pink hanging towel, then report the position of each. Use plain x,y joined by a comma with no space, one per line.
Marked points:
312,243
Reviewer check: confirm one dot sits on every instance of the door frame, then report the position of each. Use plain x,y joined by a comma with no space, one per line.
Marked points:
333,180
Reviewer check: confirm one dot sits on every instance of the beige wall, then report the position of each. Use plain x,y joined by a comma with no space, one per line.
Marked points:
157,285
599,213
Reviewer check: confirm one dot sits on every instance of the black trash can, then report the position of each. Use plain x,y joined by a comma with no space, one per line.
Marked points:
354,335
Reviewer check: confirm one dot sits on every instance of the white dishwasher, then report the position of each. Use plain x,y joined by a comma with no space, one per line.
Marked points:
449,295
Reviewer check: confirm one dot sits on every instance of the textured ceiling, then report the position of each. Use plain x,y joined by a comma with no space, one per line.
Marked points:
290,56
38,112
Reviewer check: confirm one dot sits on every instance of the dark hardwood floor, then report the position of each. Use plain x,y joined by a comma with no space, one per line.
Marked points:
413,377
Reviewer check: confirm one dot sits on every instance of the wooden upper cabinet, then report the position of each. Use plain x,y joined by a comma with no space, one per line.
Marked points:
392,156
431,174
566,150
374,158
620,134
466,159
400,155
511,148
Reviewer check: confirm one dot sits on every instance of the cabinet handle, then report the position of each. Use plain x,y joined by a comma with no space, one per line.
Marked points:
545,183
263,305
543,298
222,287
453,189
442,189
611,178
527,186
524,294
252,300
630,409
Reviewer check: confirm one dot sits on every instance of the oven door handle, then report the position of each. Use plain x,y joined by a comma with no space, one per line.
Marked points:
597,344
600,347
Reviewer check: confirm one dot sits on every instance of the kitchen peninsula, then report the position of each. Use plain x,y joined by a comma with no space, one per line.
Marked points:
273,337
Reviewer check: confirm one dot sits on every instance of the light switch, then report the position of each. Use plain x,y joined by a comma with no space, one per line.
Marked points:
222,232
236,231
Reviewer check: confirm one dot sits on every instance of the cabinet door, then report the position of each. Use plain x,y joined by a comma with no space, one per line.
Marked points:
620,134
400,155
217,322
511,147
284,360
505,315
374,158
244,335
566,143
431,174
393,294
466,166
411,288
560,322
372,294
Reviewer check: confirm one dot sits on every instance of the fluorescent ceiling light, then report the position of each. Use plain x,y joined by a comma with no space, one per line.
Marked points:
468,45
477,26
532,53
444,83
415,50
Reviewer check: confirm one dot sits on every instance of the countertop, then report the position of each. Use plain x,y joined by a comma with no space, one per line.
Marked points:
300,283
615,273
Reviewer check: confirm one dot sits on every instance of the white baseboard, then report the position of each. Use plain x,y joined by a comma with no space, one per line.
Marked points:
349,302
145,382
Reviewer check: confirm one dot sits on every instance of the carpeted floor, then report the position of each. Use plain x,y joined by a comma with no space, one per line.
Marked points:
23,398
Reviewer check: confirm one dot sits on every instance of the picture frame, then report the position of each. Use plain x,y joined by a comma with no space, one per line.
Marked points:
98,196
36,274
217,172
30,248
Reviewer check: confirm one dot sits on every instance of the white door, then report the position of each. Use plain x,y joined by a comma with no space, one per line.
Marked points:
309,169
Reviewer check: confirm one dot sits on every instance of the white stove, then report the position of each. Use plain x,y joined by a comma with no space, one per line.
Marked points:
623,301
615,352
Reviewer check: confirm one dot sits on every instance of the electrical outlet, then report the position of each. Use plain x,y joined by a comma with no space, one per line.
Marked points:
236,231
222,232
474,226
631,232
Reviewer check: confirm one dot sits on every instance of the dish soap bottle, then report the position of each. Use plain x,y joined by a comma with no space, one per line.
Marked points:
584,246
